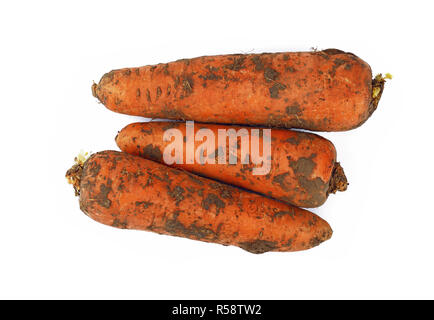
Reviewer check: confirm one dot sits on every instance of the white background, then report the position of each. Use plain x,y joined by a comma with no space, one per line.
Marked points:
382,246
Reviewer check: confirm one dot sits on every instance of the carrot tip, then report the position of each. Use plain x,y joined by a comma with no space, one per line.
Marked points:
338,181
73,175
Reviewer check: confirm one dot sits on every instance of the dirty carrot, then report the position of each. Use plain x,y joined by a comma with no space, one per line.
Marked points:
327,90
129,192
303,169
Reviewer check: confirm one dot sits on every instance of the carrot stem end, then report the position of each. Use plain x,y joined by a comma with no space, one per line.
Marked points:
73,175
338,181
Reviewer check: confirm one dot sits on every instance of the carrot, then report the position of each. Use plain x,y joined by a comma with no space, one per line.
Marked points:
129,192
303,170
328,90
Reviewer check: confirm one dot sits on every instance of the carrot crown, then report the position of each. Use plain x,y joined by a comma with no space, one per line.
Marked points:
338,180
378,87
73,175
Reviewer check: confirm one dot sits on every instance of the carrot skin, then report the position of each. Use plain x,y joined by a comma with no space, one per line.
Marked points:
328,90
301,171
125,191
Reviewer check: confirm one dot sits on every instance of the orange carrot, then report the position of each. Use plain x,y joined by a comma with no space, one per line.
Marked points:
303,170
126,191
328,90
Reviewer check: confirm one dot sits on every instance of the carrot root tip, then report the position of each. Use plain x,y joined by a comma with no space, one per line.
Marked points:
338,181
